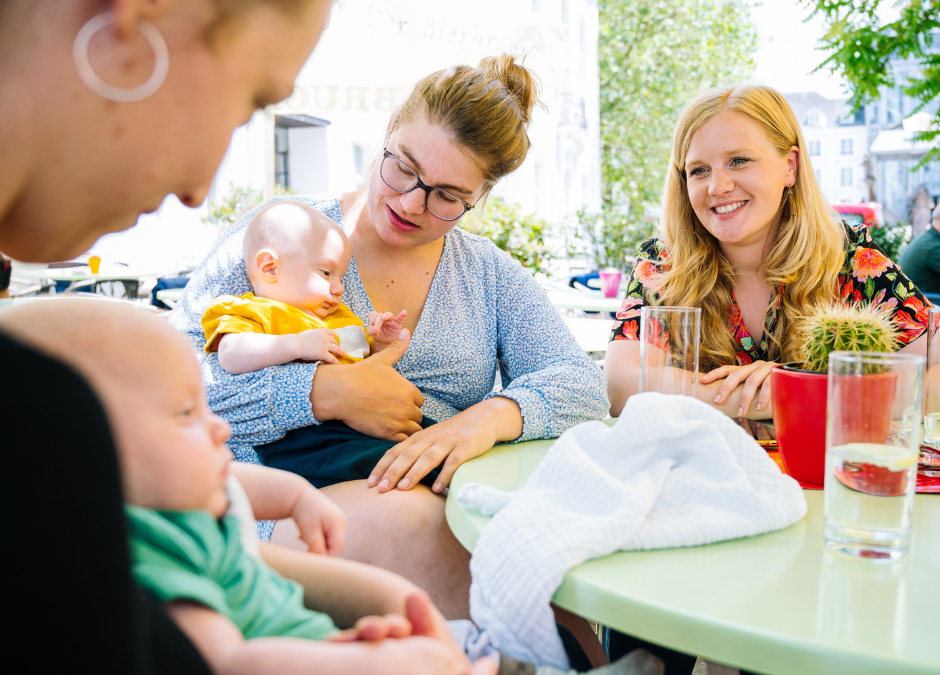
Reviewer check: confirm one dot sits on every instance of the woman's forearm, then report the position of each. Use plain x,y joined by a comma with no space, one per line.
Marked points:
370,396
622,366
247,352
502,414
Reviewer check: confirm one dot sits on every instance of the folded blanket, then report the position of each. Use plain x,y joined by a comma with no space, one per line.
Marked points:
672,471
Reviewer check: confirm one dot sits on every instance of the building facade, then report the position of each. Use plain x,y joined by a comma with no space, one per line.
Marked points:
323,138
871,154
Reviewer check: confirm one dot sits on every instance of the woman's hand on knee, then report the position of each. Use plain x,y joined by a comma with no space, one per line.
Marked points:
754,376
452,442
370,395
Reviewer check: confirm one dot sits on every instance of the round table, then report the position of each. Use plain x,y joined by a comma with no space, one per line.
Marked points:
778,603
129,276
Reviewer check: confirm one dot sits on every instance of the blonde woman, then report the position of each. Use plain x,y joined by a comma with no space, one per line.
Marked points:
748,237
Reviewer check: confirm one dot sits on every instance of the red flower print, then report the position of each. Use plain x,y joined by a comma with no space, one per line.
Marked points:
630,329
869,263
920,309
734,314
657,335
645,271
744,358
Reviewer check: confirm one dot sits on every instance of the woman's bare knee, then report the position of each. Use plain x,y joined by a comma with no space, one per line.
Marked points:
406,532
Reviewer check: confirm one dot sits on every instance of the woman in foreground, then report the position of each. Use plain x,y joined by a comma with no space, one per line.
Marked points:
748,237
80,156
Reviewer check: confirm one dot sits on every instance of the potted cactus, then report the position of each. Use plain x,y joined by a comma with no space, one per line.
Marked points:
799,389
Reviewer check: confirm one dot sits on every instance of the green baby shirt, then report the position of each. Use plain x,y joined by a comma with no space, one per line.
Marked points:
189,555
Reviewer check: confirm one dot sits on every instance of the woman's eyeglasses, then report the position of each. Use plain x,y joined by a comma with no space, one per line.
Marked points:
402,178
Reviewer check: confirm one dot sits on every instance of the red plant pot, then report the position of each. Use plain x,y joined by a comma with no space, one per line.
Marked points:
799,400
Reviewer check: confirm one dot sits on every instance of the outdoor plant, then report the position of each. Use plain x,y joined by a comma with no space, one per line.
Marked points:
891,238
609,238
848,328
521,235
239,200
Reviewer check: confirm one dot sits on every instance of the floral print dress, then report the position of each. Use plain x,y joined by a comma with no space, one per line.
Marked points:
868,276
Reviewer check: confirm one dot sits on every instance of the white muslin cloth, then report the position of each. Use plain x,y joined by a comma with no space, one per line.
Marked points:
672,471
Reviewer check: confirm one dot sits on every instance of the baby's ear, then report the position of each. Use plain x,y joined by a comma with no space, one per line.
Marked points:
267,263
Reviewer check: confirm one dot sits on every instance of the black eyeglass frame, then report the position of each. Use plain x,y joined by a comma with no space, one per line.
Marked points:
427,188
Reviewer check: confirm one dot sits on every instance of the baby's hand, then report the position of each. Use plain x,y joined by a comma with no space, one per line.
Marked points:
319,344
321,523
373,629
384,328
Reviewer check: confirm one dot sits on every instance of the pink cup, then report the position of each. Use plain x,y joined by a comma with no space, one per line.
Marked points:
610,283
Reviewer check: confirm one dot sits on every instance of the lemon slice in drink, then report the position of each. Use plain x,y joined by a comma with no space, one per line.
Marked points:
891,457
873,468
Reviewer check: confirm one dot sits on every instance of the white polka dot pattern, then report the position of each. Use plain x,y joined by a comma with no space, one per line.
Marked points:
483,309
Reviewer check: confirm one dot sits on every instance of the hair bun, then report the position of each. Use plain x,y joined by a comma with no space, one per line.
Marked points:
518,80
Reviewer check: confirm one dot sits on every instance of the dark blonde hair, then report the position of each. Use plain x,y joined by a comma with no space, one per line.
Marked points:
806,255
486,110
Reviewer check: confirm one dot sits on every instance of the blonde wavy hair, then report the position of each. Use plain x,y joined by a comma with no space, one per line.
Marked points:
805,257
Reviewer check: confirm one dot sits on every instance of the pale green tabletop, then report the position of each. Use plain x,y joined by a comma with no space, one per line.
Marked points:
778,603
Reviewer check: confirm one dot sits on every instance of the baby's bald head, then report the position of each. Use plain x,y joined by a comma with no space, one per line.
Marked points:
112,344
296,255
289,229
172,449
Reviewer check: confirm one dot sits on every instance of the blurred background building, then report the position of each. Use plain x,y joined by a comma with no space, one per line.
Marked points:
870,155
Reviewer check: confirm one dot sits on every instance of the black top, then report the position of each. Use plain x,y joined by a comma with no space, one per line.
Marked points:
69,595
920,260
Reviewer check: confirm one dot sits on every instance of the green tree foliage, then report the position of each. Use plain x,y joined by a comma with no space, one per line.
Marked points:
654,56
239,200
861,47
521,235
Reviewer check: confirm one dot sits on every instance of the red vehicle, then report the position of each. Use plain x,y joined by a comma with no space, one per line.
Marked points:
861,213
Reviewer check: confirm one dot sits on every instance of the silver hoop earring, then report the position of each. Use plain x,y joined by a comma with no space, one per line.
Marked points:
108,91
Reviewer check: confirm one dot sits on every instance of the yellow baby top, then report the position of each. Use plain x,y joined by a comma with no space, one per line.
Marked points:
248,314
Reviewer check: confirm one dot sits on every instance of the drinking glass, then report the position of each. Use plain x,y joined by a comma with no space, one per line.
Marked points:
669,345
932,381
872,439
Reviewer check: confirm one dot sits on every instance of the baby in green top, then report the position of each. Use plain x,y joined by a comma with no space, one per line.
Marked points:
189,548
247,607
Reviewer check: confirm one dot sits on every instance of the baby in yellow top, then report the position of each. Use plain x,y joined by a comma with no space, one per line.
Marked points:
295,258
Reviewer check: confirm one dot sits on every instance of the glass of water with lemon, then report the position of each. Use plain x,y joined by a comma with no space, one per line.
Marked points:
873,433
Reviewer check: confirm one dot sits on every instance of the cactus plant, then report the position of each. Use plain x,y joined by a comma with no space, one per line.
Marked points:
850,328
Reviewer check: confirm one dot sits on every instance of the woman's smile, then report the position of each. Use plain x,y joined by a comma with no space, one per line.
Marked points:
728,209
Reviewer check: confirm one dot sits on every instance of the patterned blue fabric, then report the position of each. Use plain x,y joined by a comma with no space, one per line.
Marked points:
483,309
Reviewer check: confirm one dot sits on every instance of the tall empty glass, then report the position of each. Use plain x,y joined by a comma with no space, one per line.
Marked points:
932,382
669,346
872,438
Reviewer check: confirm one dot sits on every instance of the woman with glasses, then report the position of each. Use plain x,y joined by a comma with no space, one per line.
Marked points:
470,309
